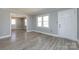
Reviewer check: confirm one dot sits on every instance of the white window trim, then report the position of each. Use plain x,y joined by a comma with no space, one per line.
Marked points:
42,21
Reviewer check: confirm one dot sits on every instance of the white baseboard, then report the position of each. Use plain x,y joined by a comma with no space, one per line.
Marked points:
18,29
55,35
29,31
6,36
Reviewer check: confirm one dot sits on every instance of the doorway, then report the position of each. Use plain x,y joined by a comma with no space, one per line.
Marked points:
67,24
18,23
18,27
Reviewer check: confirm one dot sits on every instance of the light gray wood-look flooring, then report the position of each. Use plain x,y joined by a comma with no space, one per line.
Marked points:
22,40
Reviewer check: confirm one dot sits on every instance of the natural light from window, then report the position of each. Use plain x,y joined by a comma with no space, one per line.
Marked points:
39,22
43,21
13,21
25,22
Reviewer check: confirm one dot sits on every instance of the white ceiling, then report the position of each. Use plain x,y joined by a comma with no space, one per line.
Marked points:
28,11
31,11
22,12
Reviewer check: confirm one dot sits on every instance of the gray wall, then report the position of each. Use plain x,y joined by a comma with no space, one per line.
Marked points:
4,22
30,23
78,23
53,23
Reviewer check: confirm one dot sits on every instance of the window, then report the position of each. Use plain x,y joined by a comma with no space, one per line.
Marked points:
39,22
43,21
13,21
25,22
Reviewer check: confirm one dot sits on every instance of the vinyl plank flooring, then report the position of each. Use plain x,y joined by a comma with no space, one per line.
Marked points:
22,40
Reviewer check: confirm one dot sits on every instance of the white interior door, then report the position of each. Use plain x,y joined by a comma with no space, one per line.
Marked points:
67,23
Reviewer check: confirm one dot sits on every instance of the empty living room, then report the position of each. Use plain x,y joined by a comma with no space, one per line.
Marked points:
39,29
